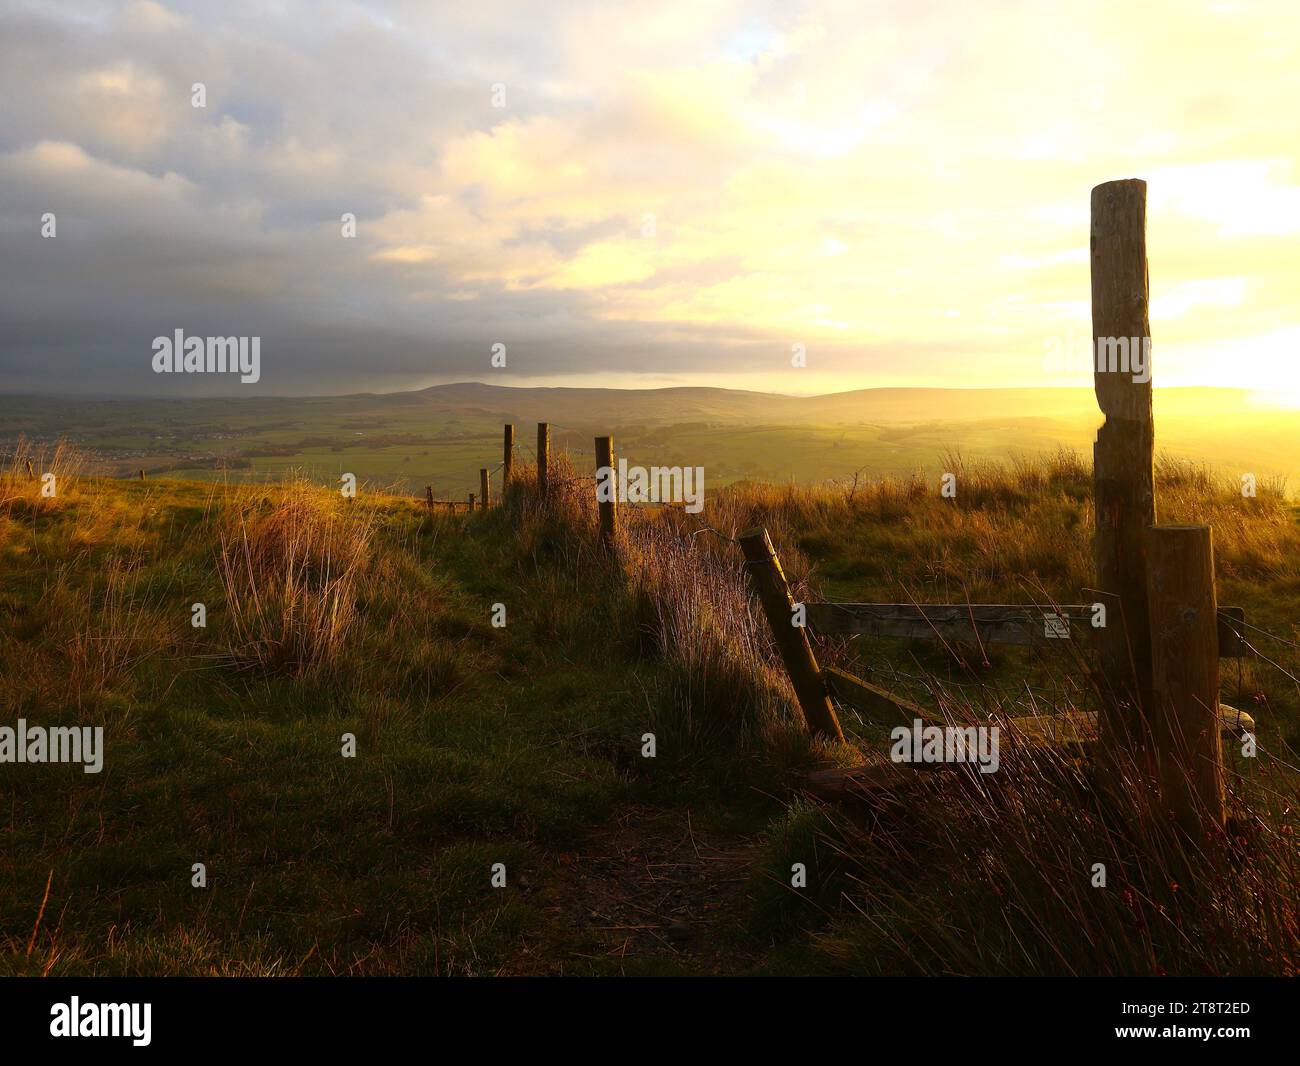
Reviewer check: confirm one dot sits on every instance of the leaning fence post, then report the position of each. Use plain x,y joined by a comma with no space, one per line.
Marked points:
608,506
792,641
1123,456
485,497
543,455
1185,674
508,455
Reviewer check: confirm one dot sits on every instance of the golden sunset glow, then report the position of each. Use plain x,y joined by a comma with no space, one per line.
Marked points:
678,192
913,211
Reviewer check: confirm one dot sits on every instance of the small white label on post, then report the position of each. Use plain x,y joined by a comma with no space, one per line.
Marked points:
1056,626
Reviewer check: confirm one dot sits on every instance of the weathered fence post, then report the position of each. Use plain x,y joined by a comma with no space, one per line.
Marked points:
543,456
1123,457
774,594
608,506
508,455
1185,674
142,474
485,491
471,503
428,496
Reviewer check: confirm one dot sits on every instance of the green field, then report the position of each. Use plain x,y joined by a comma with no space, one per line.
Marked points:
441,437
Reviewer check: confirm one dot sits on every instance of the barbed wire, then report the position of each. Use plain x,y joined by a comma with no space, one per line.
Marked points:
700,528
1265,632
1276,665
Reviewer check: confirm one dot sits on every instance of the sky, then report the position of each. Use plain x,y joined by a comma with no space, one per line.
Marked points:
640,194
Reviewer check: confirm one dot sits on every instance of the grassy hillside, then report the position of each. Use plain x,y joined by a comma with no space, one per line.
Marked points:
522,744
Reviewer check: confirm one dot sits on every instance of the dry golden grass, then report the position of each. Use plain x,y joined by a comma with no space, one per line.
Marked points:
1037,870
291,570
1027,524
36,479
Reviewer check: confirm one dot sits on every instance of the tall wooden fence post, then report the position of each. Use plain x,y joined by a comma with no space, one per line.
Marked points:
543,456
608,507
485,491
1185,675
797,654
1123,457
507,455
428,496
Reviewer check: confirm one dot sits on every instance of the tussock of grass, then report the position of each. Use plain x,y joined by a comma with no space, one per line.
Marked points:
998,876
24,475
291,571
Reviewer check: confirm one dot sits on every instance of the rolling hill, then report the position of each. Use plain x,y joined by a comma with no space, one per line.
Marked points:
441,436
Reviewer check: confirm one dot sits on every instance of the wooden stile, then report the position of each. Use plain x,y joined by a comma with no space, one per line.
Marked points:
792,641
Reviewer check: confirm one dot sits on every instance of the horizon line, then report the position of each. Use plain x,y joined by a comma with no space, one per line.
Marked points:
100,396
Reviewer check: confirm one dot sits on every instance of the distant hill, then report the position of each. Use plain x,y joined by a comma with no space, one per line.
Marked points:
440,436
887,406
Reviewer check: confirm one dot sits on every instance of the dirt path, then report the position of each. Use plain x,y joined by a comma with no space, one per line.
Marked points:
651,888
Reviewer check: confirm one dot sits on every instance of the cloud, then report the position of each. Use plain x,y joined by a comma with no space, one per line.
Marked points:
679,190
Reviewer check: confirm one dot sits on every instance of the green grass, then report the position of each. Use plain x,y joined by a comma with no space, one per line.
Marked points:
476,745
521,745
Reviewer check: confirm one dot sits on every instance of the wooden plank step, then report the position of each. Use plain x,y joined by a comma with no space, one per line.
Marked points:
874,779
882,777
1016,624
874,701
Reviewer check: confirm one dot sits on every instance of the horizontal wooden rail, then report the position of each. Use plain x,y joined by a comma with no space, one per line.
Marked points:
873,701
989,623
